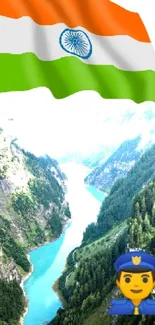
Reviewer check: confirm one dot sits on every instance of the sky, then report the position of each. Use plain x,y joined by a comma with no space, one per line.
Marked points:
80,123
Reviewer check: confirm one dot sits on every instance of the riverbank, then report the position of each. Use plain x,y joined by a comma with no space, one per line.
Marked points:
55,287
66,222
50,260
26,277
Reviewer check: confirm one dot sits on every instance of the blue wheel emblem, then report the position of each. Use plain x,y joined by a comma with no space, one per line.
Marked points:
76,42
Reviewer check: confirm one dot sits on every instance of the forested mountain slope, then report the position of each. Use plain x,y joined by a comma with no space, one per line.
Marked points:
117,165
89,278
33,210
141,235
117,206
93,159
88,283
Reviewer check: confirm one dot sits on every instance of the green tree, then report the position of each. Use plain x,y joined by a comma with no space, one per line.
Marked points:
143,207
11,302
151,246
55,224
139,236
24,203
153,216
146,223
67,212
136,225
137,211
3,172
131,235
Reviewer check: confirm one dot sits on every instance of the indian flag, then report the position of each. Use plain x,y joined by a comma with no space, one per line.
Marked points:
74,45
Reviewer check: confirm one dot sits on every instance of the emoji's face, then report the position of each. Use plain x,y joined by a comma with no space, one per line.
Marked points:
136,285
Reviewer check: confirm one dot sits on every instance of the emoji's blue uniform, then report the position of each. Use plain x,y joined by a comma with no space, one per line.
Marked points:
133,260
126,307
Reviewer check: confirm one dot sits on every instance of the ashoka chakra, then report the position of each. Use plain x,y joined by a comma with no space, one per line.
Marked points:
76,42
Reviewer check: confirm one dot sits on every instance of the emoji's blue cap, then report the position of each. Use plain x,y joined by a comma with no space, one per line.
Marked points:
135,259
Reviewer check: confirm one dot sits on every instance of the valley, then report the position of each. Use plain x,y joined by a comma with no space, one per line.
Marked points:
62,226
33,211
49,260
125,221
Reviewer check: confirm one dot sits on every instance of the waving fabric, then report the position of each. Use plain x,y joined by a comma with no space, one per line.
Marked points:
74,45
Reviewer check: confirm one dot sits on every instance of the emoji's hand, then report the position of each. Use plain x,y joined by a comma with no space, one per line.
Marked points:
145,8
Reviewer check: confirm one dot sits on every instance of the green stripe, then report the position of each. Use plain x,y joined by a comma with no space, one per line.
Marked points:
69,75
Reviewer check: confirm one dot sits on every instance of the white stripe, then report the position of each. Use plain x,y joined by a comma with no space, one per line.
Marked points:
24,35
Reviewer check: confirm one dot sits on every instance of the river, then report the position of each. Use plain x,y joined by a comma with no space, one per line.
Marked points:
49,260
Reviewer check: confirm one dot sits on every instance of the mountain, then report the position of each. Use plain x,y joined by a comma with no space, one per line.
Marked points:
89,278
93,140
88,282
92,159
141,235
116,166
33,210
98,157
117,205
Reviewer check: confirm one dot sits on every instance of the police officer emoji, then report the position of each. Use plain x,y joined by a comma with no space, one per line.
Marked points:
136,280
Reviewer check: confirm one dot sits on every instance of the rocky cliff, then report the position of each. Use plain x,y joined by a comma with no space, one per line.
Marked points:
9,270
116,166
33,208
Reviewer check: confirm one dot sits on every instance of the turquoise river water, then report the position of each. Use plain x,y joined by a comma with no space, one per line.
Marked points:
49,260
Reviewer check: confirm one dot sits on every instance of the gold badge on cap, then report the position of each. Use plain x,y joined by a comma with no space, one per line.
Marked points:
136,260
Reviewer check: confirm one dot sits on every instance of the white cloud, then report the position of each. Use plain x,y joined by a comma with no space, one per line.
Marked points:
81,122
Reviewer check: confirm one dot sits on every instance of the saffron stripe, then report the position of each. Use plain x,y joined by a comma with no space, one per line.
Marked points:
100,17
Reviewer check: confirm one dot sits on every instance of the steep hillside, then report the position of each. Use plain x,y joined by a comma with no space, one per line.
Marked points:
33,210
89,278
32,194
141,235
97,158
92,159
88,282
11,302
142,223
103,129
117,205
117,165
